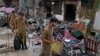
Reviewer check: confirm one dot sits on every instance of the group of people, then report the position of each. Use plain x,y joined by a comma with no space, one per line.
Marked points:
18,26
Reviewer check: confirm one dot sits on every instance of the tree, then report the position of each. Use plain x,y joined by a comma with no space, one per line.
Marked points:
92,15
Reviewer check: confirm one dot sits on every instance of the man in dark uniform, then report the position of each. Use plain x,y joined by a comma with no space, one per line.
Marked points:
47,38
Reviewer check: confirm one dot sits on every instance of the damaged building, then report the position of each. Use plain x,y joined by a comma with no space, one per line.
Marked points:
71,10
31,6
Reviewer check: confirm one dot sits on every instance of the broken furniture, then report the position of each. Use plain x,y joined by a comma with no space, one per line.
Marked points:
80,26
91,45
78,34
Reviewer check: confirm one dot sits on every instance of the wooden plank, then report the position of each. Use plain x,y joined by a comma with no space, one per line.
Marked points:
91,44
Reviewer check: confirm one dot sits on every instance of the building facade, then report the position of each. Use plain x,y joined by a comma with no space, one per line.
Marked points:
72,10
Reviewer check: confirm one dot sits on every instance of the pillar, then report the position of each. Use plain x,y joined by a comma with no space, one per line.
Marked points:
1,3
92,15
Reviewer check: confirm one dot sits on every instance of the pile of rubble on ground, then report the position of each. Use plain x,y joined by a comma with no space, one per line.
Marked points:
70,35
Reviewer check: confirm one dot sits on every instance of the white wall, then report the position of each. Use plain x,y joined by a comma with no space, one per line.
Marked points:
59,17
97,21
1,2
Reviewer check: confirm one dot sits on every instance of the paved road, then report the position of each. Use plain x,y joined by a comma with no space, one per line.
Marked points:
29,52
6,36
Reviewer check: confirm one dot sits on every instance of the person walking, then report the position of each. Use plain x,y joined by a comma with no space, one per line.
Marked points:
47,38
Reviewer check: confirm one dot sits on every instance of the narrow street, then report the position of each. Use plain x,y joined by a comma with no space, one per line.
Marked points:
49,27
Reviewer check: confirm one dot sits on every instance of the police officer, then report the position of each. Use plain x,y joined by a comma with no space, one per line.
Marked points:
20,28
47,38
11,19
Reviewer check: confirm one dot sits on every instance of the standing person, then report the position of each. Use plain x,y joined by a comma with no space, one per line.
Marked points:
47,38
20,28
11,20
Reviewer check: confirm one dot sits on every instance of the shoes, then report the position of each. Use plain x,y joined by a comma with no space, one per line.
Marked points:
24,48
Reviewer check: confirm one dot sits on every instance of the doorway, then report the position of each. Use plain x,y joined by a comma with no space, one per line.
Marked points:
70,12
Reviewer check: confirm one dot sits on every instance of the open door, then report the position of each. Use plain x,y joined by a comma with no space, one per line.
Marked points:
70,12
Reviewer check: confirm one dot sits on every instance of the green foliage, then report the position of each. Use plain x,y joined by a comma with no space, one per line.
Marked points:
96,7
97,4
89,28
